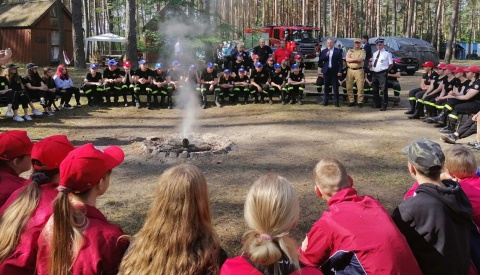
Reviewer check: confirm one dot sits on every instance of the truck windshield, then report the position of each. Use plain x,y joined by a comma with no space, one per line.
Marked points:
298,35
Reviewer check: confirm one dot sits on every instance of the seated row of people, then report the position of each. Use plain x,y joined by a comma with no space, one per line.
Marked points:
58,229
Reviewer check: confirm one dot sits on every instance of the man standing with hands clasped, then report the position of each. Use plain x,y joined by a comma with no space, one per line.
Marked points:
355,74
330,66
382,63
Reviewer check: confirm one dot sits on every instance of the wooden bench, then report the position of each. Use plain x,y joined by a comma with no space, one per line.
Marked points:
311,91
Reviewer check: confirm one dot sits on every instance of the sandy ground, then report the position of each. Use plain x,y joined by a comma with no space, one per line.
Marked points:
287,140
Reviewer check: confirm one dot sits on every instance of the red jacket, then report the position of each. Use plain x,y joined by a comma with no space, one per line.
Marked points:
9,182
281,54
24,257
101,251
240,265
357,233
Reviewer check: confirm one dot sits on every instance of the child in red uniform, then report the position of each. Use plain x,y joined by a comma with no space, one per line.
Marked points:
78,239
15,149
271,211
28,209
356,233
177,237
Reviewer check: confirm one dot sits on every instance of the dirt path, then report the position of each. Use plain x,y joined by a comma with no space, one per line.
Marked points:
287,140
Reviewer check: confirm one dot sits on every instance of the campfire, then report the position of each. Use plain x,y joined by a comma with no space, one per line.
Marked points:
195,146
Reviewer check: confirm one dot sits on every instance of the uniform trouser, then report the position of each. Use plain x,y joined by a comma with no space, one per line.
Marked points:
232,95
282,92
467,129
220,93
429,103
379,84
395,85
92,91
432,106
319,83
367,88
204,91
141,88
471,107
161,92
331,80
242,91
265,92
130,89
413,93
114,89
295,92
20,98
357,77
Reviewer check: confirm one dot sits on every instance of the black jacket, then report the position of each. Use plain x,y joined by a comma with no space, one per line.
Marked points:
436,223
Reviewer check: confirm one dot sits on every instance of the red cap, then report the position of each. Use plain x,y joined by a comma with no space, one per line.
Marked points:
127,64
473,69
269,59
85,166
297,56
450,67
285,58
428,64
51,151
441,66
459,70
255,56
14,144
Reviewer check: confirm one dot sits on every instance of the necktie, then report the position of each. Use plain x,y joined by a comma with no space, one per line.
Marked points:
376,60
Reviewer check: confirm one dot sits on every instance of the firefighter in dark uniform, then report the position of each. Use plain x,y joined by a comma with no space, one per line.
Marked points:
242,85
238,63
159,87
142,79
392,80
296,85
192,78
208,81
174,78
277,83
225,88
112,81
260,83
286,69
270,65
301,65
342,80
419,96
367,86
127,83
428,77
92,83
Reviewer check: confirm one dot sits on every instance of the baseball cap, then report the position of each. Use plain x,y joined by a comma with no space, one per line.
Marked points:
295,66
14,144
112,62
239,54
51,151
473,69
276,66
450,67
93,66
357,40
227,71
31,66
459,70
176,63
441,66
127,64
425,154
379,41
86,165
255,56
192,67
297,56
258,64
11,66
269,59
209,65
158,66
241,70
428,64
143,61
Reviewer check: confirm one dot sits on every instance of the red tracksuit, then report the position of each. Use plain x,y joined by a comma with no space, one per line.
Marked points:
358,234
9,182
239,265
101,251
24,257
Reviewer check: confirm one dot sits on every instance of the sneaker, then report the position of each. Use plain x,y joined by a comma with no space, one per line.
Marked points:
126,105
218,104
446,130
270,102
67,106
51,112
137,105
169,107
47,114
27,117
18,119
9,113
473,143
449,138
299,102
204,106
79,104
37,112
59,108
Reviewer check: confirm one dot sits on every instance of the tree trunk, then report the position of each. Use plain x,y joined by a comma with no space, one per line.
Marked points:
436,24
61,30
77,33
131,46
408,27
470,33
325,33
449,54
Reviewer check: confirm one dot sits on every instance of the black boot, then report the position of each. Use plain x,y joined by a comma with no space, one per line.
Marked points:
442,116
418,112
412,107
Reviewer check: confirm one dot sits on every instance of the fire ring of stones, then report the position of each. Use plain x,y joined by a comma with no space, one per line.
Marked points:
196,146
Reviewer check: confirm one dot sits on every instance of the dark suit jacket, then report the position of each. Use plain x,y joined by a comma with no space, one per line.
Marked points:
337,60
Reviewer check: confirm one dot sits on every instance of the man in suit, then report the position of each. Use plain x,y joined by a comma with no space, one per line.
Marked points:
330,66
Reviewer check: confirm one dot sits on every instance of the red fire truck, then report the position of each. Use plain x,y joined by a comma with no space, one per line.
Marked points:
300,39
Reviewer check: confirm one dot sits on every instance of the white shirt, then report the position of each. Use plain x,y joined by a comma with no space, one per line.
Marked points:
330,53
384,60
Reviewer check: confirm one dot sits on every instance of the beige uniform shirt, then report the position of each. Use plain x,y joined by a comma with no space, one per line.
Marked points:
353,53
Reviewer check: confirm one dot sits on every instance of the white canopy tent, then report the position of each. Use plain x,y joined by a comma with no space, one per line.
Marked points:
106,37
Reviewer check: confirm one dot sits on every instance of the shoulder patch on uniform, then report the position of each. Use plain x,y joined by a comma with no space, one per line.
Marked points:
476,87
